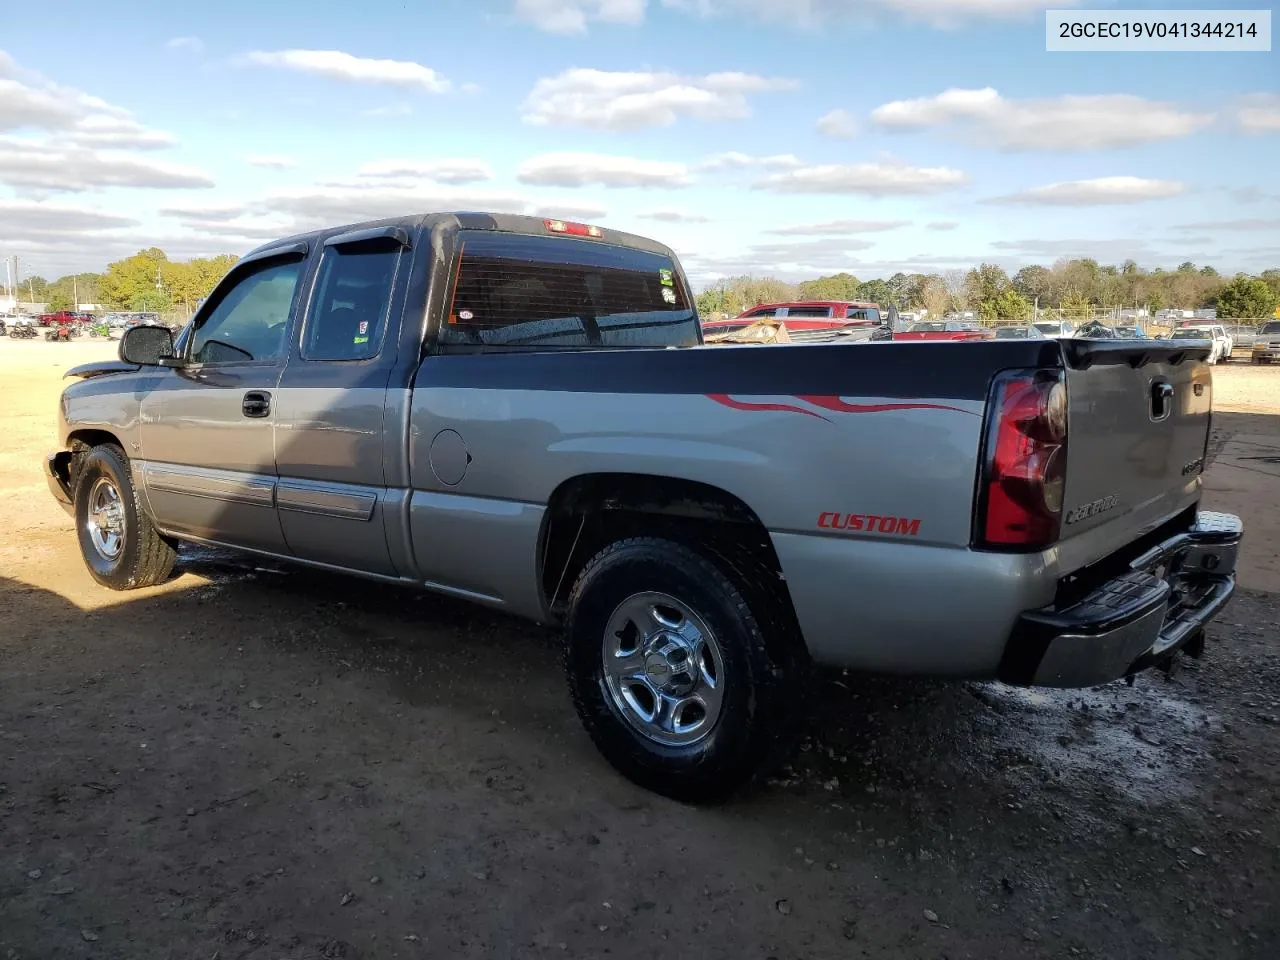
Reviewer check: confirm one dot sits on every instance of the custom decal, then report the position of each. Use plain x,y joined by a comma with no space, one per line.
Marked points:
666,278
465,315
364,327
668,295
834,404
1091,509
870,523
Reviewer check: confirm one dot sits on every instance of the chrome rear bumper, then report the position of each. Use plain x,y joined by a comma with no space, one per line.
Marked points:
1135,620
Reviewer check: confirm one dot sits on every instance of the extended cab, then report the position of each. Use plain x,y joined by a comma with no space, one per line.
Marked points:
522,413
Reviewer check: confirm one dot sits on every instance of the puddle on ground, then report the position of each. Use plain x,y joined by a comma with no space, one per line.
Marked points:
1143,741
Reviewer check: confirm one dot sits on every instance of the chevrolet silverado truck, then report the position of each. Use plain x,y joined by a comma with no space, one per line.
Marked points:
522,413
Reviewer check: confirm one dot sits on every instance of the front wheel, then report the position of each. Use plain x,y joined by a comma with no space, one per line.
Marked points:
672,675
120,546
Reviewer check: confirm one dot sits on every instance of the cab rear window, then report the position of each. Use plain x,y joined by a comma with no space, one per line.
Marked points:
514,291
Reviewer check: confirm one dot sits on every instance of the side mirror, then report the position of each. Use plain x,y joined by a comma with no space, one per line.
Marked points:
147,346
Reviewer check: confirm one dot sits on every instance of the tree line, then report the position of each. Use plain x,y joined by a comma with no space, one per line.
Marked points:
147,281
1070,287
150,281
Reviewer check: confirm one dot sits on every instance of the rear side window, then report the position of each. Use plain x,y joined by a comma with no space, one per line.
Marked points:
1270,328
862,313
528,291
349,309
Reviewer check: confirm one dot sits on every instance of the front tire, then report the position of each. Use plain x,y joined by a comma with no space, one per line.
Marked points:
120,546
673,677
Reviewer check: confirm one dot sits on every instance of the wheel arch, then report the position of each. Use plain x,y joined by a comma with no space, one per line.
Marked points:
587,512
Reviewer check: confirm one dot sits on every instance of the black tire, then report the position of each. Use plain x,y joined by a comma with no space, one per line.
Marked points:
763,676
145,558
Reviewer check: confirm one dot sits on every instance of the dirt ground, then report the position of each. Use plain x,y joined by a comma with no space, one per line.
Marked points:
257,762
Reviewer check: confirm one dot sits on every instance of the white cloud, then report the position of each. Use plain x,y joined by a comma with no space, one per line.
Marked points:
868,179
621,100
839,124
30,102
1109,250
783,260
337,65
465,170
1064,124
218,212
673,215
309,207
1254,224
1251,195
186,43
66,168
571,16
239,225
734,160
585,169
23,218
1259,113
569,211
271,161
942,225
399,109
834,227
1091,193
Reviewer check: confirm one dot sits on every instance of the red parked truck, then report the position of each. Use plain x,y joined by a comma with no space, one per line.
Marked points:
815,318
944,330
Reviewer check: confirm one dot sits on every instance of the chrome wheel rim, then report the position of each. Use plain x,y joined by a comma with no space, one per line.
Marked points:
663,669
105,519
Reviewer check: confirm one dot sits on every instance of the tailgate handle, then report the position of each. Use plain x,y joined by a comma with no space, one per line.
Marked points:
1161,400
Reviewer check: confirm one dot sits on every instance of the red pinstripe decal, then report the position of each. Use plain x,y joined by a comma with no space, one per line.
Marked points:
725,400
840,406
835,404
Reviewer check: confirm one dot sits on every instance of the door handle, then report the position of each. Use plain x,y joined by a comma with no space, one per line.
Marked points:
256,403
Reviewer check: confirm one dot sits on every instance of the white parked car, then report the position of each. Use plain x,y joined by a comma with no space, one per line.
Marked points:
1216,332
1213,332
1056,329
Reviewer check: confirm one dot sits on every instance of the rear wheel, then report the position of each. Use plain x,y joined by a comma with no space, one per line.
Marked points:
672,674
120,546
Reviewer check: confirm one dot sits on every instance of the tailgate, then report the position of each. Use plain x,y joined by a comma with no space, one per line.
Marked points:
1138,427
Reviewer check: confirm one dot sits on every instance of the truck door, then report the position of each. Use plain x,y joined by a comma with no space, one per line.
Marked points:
207,428
331,417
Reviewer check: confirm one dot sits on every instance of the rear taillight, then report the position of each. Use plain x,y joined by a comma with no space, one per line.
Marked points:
1020,506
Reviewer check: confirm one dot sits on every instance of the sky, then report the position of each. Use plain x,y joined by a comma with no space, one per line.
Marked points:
786,138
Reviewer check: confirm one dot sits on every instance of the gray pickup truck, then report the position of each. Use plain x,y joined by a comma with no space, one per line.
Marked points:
523,413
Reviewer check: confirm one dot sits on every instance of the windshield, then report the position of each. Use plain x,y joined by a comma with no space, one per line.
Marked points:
516,290
1013,333
1191,335
927,328
1271,327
